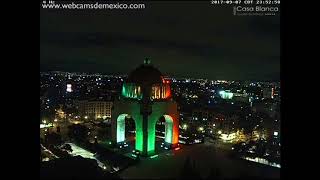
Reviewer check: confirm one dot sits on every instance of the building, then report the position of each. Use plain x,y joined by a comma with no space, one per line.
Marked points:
203,114
226,94
268,93
240,97
94,109
268,107
146,97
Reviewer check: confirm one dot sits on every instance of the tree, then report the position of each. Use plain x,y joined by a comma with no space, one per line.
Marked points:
78,132
53,139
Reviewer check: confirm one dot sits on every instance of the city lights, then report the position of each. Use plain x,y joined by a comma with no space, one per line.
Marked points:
196,127
228,137
45,126
134,155
185,126
69,88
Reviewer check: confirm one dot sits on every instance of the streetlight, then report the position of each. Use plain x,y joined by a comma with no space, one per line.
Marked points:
185,126
219,132
55,120
200,128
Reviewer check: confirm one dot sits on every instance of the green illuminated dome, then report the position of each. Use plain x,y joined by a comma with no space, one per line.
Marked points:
145,74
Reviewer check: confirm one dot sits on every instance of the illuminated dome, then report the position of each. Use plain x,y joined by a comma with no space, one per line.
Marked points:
147,81
145,74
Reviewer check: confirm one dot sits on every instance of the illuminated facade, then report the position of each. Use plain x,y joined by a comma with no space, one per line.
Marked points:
146,97
226,94
94,109
69,88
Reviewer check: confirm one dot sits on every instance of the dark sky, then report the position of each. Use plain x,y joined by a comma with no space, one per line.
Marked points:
184,39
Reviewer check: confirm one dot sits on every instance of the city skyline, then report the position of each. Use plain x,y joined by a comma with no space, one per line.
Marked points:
93,117
77,73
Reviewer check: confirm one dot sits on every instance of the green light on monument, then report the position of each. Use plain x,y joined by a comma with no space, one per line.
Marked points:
168,129
151,135
144,111
154,156
131,91
152,130
124,91
121,128
147,61
121,131
139,135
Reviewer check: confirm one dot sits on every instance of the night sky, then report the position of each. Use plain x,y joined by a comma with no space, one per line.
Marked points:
183,39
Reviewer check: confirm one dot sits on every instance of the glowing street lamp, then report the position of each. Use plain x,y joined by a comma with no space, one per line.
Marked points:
86,117
219,132
55,120
200,128
185,126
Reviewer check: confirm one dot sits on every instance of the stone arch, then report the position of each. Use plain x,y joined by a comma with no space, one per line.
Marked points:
120,131
121,127
168,138
171,131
